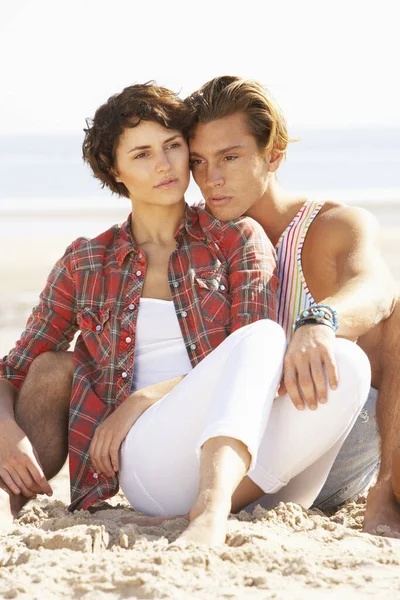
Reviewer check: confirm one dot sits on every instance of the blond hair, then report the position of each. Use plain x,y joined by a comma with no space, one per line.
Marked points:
223,96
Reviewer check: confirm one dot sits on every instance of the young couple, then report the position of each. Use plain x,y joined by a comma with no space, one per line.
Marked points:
184,317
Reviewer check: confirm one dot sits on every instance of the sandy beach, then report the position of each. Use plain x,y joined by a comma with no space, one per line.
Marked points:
286,553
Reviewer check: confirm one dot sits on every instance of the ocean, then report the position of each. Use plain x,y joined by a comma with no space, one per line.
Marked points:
48,198
43,176
50,166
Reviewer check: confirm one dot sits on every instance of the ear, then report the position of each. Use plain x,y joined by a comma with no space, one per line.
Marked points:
275,159
114,173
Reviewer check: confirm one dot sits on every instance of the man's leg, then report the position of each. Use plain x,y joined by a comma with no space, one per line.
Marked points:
41,411
357,461
382,510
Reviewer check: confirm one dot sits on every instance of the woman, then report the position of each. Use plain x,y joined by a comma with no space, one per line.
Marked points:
195,407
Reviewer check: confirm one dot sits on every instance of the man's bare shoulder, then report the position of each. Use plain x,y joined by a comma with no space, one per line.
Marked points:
342,224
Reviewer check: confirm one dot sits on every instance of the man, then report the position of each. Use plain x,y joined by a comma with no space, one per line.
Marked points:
329,254
50,375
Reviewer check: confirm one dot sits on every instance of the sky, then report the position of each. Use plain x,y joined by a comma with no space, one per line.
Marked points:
328,63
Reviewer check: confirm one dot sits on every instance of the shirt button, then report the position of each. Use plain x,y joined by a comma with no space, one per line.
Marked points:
98,328
128,340
131,307
175,284
222,287
124,374
95,475
184,314
193,346
138,273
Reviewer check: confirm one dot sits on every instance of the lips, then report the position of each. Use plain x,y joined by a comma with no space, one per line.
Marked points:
166,183
219,200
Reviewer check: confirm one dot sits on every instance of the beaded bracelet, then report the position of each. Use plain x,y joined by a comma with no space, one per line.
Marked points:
313,321
318,314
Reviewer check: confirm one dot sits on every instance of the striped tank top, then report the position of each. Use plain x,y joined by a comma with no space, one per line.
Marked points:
293,294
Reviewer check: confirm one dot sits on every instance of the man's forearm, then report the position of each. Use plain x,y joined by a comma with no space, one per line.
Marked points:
8,395
361,304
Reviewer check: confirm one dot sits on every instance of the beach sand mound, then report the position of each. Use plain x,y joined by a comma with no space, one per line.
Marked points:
284,553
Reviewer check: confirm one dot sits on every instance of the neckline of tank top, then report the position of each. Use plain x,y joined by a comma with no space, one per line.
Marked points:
145,300
292,222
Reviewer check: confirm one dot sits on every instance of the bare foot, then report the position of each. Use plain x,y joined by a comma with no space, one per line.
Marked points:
9,509
382,513
208,523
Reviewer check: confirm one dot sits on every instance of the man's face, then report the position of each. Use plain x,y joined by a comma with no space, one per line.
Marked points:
228,166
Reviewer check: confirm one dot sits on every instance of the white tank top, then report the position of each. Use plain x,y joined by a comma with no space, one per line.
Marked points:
160,352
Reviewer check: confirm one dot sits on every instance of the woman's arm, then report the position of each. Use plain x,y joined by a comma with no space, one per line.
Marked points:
110,434
252,272
51,326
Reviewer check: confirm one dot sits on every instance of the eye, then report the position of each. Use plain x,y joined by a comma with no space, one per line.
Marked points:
230,157
141,155
175,145
195,162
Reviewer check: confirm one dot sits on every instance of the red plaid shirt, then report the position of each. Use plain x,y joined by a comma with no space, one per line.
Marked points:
221,276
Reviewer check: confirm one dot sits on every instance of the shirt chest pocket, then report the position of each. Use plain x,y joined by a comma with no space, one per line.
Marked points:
214,298
95,330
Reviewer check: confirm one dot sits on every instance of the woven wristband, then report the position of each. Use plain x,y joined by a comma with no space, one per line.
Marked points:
313,321
318,314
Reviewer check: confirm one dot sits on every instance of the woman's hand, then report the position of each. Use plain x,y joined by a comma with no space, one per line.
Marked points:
109,436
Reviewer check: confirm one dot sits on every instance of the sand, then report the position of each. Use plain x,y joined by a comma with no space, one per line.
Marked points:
284,553
287,553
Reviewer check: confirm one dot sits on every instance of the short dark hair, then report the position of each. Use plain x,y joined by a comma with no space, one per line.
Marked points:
224,96
136,103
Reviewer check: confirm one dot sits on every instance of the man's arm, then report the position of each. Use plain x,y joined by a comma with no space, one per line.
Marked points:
362,292
365,291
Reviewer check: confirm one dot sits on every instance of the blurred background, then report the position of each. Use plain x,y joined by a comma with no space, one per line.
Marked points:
331,66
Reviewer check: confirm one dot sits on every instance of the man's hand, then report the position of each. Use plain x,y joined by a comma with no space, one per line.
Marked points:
109,436
308,365
20,467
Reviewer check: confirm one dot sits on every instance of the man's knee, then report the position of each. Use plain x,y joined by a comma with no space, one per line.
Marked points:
49,381
391,330
54,364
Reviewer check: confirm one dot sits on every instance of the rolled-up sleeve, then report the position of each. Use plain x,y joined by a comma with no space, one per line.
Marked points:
252,273
51,325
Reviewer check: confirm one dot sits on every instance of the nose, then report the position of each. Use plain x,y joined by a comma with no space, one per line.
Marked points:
163,164
214,178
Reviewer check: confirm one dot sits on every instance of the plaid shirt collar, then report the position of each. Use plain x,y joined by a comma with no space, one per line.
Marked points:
191,223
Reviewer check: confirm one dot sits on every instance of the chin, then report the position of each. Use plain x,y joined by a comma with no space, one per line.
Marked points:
225,214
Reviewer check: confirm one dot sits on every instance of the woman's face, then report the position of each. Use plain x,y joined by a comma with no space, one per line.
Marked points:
153,163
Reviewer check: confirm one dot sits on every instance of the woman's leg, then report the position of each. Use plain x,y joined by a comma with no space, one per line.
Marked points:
216,414
298,448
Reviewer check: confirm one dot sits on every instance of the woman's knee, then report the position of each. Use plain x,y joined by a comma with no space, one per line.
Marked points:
268,330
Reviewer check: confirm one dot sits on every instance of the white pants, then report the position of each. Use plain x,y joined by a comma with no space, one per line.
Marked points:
232,393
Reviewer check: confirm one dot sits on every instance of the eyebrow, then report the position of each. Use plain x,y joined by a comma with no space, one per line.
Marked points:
222,151
170,139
